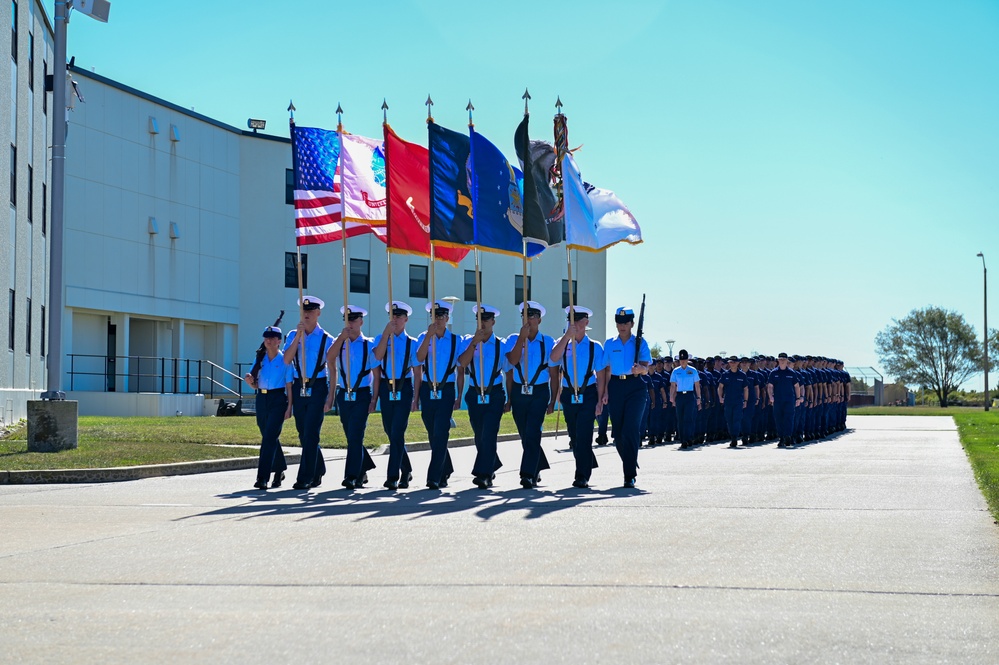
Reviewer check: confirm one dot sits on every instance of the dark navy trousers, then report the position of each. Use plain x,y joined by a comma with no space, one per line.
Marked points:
354,418
436,414
270,419
529,416
485,421
579,423
627,399
686,410
733,417
309,412
784,417
395,420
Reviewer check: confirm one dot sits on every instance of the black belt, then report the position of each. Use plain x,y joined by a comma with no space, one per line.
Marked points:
398,382
535,385
684,392
624,377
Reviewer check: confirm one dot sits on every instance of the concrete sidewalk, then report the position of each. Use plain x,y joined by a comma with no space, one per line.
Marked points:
875,547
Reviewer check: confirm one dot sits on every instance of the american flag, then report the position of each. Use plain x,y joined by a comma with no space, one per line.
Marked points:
318,203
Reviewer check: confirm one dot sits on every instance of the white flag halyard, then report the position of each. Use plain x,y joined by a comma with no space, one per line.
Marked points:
595,218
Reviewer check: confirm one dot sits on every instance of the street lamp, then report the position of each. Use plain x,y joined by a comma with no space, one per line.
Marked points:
670,343
985,293
451,300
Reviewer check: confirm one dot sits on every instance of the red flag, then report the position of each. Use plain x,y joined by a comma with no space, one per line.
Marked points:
407,170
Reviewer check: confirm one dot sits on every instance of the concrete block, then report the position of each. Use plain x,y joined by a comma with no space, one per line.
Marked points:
52,425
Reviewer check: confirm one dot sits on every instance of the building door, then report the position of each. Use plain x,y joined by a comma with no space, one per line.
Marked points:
111,366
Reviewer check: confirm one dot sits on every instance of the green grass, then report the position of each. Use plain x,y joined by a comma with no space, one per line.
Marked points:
912,410
109,442
980,437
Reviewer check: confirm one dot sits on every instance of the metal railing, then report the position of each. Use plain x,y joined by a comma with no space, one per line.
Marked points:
152,374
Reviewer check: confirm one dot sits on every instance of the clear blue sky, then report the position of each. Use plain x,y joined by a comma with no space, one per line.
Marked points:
803,171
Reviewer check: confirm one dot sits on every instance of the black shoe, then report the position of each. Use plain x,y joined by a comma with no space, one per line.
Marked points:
391,485
443,483
348,483
431,485
364,479
733,444
526,483
629,483
581,484
404,483
481,482
601,440
260,484
317,481
278,477
300,486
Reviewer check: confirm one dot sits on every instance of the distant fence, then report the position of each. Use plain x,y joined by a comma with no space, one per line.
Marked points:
867,386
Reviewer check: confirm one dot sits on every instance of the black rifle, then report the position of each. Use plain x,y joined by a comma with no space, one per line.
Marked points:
262,350
641,325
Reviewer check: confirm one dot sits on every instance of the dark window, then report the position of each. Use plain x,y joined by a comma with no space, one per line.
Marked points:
518,288
10,321
31,192
31,61
289,187
360,276
27,338
13,32
43,331
418,281
565,293
13,175
45,206
470,286
291,270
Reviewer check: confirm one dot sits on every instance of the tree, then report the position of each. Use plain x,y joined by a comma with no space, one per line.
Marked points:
656,350
932,347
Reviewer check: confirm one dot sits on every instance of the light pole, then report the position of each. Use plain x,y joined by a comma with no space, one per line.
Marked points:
670,343
451,300
985,294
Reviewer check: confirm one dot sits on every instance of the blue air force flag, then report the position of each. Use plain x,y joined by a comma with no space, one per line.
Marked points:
595,218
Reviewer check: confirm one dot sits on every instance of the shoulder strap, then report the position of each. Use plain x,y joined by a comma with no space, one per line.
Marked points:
320,358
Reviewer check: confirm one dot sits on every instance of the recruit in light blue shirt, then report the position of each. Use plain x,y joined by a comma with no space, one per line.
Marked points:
480,374
684,378
403,366
361,363
274,374
537,353
570,368
442,347
311,349
621,355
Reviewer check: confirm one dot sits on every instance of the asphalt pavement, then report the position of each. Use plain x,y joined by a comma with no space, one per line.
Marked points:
872,547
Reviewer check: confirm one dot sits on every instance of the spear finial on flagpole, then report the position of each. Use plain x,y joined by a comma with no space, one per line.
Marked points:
558,104
339,113
291,109
384,111
527,98
470,108
430,107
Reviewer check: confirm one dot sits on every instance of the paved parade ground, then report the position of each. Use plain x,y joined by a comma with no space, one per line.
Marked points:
875,546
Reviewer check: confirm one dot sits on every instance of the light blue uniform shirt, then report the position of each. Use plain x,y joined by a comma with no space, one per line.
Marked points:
360,363
274,374
403,366
621,355
480,374
684,378
311,350
442,346
537,354
582,362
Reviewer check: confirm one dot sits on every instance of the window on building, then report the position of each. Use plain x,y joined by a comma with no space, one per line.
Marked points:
10,320
289,187
291,270
13,30
470,286
518,288
45,206
43,331
31,61
565,293
360,276
27,337
13,175
31,192
418,281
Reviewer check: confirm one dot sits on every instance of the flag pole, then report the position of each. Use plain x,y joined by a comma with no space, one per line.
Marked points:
298,259
478,284
388,265
561,147
527,346
343,247
433,285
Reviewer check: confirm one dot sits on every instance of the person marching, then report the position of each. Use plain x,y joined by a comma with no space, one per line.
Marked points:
584,385
272,378
733,391
356,394
438,395
398,387
785,394
627,394
311,388
532,390
684,385
483,357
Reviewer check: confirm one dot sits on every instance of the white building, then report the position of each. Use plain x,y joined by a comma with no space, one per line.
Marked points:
180,248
